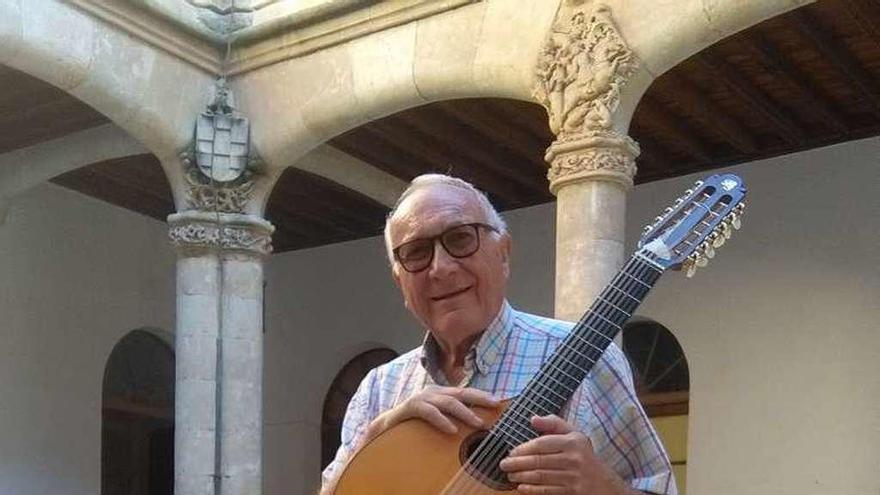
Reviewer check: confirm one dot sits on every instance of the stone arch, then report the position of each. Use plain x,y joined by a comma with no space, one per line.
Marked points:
137,407
340,392
118,75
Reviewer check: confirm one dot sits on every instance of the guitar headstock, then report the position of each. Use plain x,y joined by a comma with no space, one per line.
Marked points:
686,235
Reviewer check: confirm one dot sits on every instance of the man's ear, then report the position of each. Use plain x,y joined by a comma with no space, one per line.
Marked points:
505,249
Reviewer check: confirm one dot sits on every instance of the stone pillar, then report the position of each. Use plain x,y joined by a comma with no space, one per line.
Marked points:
581,70
219,352
590,178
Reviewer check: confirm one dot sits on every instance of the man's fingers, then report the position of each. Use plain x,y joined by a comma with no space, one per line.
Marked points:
550,425
544,477
550,444
475,397
538,462
452,407
435,417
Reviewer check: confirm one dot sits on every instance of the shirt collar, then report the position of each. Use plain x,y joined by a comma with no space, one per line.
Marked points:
483,355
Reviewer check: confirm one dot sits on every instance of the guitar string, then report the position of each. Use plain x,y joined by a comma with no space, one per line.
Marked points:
491,450
577,346
490,456
497,444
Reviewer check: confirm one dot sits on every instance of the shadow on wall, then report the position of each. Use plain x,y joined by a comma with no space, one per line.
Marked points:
137,427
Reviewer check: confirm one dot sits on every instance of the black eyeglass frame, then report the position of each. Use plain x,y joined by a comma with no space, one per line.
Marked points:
439,237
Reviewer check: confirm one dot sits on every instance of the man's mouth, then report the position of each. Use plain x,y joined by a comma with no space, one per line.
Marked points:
451,294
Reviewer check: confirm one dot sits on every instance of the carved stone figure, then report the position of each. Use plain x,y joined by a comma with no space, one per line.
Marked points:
580,72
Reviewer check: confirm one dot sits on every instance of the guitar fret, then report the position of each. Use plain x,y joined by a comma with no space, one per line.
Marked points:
625,294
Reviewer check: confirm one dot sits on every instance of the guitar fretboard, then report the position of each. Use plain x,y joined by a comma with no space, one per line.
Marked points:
551,388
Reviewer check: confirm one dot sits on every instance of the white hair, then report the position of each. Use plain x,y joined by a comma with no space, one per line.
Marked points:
493,218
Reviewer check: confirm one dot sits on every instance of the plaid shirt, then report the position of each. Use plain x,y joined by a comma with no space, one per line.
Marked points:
508,354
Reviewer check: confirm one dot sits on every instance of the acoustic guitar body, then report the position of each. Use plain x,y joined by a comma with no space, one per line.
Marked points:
414,458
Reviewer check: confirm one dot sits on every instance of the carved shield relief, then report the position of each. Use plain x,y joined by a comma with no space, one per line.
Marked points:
222,145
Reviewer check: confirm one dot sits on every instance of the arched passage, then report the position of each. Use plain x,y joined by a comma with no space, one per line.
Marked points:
662,380
137,427
339,394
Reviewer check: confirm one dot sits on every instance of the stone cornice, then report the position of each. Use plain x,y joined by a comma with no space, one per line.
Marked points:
284,39
155,31
195,232
265,43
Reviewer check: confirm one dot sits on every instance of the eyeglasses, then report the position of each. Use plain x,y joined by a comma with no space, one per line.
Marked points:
460,241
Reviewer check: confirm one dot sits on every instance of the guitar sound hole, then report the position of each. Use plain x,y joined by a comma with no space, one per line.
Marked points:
484,465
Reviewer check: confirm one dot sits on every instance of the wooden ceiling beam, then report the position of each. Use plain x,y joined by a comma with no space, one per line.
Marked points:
866,15
746,91
837,54
471,148
694,101
362,143
802,81
484,119
656,154
336,204
308,222
429,149
651,115
531,118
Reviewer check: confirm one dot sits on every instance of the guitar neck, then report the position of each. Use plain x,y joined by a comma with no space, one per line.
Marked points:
555,383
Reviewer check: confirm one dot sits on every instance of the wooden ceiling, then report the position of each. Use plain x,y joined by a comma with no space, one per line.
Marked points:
805,79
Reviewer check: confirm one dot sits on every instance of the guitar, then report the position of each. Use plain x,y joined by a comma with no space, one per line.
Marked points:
413,458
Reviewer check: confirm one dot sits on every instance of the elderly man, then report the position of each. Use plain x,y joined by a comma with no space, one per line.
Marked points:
450,256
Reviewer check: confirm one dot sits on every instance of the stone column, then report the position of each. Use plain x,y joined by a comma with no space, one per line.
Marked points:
590,178
581,70
219,351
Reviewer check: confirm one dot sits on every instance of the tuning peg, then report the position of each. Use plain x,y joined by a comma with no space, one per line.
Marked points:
679,201
735,222
726,230
702,260
690,267
708,250
718,239
688,192
657,219
667,211
698,183
647,228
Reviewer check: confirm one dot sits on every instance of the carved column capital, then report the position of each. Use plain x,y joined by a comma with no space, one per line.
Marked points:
581,70
595,156
195,232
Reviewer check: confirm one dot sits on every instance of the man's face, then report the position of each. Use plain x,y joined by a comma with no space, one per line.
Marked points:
454,297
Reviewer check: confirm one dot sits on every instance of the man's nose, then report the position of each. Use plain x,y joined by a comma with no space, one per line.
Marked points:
443,262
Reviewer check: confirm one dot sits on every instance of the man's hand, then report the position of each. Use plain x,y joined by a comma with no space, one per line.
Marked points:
436,405
560,462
